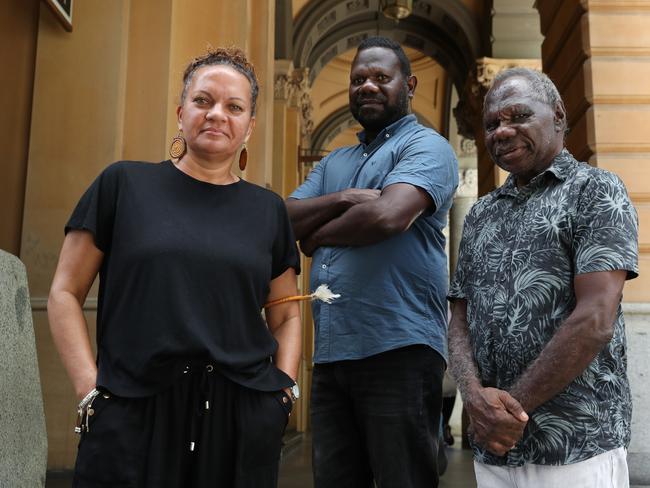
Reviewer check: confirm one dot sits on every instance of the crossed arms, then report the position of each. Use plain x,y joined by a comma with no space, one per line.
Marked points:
498,417
356,216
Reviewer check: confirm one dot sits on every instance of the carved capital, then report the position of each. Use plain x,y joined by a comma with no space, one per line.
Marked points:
282,86
469,110
467,147
488,68
467,183
300,98
299,84
292,86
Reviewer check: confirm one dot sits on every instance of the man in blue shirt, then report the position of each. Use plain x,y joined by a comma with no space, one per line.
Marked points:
371,216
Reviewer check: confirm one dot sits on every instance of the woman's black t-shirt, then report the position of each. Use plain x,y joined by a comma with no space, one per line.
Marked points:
186,272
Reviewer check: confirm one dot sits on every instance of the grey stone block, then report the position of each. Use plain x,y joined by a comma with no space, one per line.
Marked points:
637,323
23,439
639,466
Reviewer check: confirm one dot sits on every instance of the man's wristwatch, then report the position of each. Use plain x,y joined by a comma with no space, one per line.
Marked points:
294,392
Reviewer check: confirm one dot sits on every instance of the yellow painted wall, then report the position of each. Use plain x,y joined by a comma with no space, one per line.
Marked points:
18,32
76,130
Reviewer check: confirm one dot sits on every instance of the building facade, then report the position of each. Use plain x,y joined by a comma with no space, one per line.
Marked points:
107,90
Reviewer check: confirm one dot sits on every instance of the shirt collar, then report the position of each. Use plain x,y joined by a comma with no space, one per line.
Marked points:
561,165
388,131
560,168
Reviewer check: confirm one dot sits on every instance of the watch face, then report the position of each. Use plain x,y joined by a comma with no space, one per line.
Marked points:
296,391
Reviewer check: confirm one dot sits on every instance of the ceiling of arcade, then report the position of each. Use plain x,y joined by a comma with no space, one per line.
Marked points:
476,6
442,40
330,98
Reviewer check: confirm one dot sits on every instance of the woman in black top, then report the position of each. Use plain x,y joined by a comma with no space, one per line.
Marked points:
190,387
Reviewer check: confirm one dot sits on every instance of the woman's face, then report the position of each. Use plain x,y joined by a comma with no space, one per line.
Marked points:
216,116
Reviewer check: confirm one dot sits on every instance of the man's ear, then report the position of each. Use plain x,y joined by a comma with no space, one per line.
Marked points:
411,82
559,117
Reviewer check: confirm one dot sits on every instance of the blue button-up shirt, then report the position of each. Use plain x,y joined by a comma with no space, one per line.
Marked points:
393,292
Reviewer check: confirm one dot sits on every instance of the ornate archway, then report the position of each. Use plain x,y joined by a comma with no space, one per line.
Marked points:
445,31
339,121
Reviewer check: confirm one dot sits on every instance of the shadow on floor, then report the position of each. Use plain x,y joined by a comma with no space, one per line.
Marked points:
295,468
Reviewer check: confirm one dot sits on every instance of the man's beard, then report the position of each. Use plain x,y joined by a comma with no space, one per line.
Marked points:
376,120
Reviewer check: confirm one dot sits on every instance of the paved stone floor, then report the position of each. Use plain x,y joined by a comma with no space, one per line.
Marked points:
295,469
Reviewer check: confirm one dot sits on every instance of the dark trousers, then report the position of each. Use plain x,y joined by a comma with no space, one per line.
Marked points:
378,419
172,440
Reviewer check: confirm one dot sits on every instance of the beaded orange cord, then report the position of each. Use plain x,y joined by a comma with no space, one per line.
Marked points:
322,293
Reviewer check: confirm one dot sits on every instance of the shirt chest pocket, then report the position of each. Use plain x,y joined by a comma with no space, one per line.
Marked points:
374,171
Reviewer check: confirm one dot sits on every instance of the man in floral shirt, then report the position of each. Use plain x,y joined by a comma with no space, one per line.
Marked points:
537,338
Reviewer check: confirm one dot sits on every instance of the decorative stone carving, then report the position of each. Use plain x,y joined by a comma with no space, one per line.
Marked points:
467,183
306,110
469,110
282,86
300,98
467,147
354,6
23,441
292,85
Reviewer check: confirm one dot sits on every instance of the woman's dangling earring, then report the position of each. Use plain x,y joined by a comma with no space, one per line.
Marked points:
178,146
243,158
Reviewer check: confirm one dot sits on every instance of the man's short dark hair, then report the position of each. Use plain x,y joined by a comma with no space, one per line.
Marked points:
385,42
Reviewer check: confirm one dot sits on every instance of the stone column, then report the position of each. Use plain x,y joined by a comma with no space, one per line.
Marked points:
261,42
463,201
298,128
23,441
636,322
285,130
301,99
465,150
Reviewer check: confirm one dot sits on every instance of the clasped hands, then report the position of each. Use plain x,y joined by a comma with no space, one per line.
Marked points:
497,419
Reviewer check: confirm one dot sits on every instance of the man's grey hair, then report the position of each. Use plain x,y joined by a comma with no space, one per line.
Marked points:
543,89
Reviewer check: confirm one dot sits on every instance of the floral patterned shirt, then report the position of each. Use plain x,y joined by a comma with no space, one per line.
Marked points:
520,251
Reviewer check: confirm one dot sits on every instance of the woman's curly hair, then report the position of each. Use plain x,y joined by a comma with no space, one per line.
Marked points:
229,56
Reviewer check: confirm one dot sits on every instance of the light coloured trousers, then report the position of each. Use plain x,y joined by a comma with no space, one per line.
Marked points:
607,470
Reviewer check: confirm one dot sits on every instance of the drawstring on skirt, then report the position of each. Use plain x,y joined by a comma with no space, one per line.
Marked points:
200,401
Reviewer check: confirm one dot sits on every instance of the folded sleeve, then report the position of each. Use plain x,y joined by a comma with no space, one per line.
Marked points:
95,211
605,227
428,162
313,185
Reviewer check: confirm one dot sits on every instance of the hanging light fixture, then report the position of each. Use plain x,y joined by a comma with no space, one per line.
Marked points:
396,9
